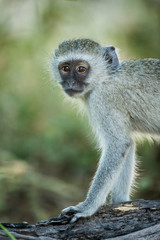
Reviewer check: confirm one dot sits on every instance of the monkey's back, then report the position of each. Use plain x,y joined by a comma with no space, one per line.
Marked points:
143,70
141,93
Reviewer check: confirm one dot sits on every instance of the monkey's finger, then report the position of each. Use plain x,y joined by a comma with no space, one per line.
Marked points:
69,211
76,217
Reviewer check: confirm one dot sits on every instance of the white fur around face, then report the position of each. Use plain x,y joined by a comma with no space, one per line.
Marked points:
97,65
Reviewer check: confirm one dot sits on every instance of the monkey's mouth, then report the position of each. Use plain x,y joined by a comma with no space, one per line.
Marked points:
72,92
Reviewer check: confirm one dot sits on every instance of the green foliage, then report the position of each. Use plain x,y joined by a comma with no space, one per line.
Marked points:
7,232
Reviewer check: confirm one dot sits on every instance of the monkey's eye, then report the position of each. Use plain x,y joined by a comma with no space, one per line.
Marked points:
81,69
66,68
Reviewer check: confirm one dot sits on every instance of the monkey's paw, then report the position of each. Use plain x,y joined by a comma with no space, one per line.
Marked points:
81,210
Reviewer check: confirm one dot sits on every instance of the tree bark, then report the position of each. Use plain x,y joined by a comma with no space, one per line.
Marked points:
139,219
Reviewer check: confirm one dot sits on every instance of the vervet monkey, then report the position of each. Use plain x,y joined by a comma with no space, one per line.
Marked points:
121,99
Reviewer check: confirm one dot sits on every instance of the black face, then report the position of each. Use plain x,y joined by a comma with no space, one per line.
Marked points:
73,74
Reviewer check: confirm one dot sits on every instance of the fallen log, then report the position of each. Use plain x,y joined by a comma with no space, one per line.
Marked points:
139,219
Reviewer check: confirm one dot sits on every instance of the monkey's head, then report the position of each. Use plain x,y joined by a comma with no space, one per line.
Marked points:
79,64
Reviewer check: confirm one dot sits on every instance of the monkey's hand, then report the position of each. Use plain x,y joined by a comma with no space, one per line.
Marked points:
81,210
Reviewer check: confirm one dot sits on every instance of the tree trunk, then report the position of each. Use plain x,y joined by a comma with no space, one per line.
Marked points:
133,220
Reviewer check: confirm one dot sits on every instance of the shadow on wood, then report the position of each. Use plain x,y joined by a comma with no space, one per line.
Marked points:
139,219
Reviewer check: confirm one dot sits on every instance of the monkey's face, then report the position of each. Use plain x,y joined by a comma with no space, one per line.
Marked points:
80,64
73,74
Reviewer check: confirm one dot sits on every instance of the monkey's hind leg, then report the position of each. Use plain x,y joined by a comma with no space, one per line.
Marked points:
122,186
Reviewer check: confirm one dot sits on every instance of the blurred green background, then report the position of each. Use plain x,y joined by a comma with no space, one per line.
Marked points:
47,155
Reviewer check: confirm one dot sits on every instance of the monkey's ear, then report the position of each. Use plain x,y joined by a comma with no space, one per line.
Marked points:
111,58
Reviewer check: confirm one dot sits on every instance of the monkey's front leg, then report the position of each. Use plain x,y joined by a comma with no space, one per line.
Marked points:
109,167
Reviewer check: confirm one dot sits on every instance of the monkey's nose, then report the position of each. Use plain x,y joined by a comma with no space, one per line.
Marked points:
71,83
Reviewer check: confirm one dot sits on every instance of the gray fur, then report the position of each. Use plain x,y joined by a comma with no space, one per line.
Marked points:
119,103
79,45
